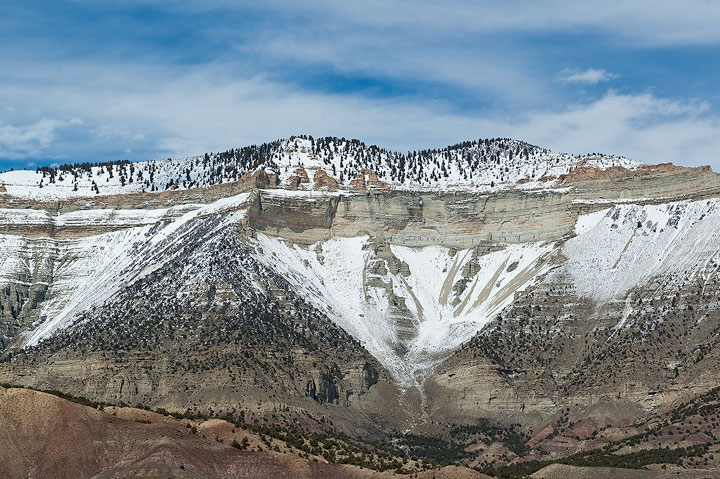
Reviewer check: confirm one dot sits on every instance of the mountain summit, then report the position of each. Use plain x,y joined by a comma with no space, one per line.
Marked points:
482,165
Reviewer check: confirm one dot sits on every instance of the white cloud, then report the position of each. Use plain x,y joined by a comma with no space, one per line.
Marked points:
408,57
177,112
647,22
643,127
30,139
591,76
453,43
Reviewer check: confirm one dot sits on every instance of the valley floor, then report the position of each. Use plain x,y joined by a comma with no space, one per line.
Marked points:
51,434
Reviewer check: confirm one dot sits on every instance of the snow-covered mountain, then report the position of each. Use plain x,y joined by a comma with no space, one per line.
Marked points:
490,269
483,165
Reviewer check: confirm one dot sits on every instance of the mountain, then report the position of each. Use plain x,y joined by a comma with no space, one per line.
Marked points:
485,304
476,165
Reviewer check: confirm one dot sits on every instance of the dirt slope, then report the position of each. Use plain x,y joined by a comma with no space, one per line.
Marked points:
562,471
43,436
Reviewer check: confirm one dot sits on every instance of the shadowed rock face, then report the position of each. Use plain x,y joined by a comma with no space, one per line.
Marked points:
387,308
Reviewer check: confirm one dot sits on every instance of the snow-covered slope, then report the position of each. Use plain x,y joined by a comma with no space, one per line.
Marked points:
413,317
486,165
624,246
100,218
409,307
81,273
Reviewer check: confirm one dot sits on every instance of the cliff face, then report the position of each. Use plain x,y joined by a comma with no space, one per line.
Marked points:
458,220
388,306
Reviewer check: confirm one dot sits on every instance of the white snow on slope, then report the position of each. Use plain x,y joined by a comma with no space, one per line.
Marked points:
336,286
631,244
442,326
26,184
587,222
95,218
88,271
333,276
476,168
490,166
16,259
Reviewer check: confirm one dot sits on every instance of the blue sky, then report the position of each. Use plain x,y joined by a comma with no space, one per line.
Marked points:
97,80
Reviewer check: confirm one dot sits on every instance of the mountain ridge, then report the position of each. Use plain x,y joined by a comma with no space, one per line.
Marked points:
478,165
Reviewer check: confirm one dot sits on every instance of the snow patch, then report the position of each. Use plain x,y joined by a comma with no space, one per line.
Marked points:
587,222
631,244
91,270
341,278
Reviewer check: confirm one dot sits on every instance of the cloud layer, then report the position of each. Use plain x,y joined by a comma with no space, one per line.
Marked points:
591,76
185,77
29,140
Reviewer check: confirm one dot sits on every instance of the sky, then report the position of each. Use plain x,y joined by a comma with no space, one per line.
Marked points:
100,80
